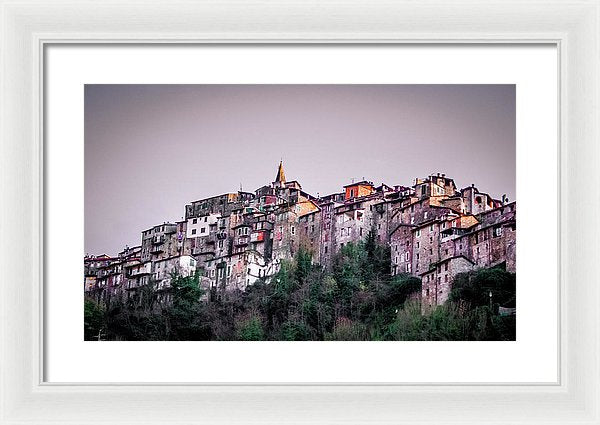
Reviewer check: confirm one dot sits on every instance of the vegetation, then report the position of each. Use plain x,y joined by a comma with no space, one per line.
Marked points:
357,300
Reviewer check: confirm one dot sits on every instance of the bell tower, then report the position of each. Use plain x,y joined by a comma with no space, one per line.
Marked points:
280,178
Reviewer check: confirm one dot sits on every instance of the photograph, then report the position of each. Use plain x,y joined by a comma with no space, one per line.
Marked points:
299,212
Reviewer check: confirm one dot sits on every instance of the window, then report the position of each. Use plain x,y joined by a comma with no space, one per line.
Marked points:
228,271
418,244
418,233
431,228
425,215
293,230
406,255
446,267
193,231
351,193
194,221
325,249
202,230
205,218
497,232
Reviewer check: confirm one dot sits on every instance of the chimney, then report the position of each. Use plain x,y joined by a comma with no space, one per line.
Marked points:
472,184
443,175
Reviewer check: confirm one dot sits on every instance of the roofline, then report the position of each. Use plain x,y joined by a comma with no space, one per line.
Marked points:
437,263
360,183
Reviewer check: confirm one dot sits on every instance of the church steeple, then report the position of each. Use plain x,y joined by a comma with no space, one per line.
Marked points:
280,174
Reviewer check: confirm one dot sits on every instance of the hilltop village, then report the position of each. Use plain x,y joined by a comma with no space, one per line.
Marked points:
434,231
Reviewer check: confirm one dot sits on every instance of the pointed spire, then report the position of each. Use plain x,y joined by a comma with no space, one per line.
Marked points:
280,174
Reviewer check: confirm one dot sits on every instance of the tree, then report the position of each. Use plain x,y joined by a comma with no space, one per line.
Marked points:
93,320
473,288
185,313
249,329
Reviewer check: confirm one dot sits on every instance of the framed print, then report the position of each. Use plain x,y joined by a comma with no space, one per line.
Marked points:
223,213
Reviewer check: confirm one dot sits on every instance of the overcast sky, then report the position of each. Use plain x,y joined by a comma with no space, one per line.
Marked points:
150,149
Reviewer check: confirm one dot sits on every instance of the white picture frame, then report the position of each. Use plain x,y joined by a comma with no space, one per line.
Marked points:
27,27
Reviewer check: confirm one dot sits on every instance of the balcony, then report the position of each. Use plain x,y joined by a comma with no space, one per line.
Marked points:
139,271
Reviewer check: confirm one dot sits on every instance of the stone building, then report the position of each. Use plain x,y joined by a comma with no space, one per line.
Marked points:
437,280
157,242
434,231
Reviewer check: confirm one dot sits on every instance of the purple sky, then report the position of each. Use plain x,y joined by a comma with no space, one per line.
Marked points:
150,149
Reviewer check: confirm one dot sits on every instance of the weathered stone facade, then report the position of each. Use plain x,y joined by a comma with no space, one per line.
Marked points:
434,231
437,280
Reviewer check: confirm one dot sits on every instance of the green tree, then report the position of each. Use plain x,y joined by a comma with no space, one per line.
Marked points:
250,329
185,313
347,330
473,288
93,320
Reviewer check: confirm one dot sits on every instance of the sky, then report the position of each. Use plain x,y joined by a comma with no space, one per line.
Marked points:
150,149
